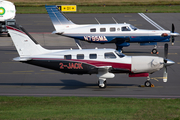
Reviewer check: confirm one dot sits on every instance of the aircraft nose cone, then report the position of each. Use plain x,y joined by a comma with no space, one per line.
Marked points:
168,62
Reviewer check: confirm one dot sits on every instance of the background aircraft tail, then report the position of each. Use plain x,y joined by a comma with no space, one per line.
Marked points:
57,17
24,43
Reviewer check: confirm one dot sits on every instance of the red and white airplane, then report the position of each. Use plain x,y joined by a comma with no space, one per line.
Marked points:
102,62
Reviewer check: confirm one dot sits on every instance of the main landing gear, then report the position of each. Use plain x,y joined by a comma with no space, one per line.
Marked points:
102,83
154,50
148,83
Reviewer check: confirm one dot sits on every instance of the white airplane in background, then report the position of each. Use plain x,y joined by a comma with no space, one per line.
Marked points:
102,62
120,34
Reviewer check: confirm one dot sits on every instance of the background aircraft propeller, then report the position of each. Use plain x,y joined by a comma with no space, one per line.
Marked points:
172,37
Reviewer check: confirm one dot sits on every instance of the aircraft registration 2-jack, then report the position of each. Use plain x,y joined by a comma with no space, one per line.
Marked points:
70,65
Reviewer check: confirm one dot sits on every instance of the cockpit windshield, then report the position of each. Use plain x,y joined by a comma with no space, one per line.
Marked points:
133,28
119,54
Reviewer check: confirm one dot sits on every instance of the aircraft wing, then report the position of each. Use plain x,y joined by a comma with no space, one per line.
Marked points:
112,70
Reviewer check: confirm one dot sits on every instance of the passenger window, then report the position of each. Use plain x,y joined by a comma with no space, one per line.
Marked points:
109,55
125,29
112,29
67,56
93,29
80,56
92,56
102,29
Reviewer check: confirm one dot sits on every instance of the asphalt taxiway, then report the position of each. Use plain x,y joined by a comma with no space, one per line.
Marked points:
19,79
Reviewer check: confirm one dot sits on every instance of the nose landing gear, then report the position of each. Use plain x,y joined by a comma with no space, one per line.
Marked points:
154,50
148,83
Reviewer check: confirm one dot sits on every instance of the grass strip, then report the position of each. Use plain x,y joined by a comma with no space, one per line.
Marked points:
106,9
47,108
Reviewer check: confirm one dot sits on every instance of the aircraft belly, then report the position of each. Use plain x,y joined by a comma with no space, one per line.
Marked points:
71,67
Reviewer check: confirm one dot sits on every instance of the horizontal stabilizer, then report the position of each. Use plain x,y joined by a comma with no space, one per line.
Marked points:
22,59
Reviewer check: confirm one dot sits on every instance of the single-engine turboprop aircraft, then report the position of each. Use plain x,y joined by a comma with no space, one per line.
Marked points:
102,62
120,34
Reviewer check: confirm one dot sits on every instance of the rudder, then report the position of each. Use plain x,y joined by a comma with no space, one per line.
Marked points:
24,43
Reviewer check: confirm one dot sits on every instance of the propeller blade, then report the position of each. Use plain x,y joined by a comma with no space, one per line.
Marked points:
173,28
165,51
165,61
165,74
172,37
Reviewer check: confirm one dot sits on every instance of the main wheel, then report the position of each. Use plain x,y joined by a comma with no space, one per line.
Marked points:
102,86
147,84
154,51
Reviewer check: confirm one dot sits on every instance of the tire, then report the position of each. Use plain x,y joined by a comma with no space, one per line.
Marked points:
154,51
104,85
147,84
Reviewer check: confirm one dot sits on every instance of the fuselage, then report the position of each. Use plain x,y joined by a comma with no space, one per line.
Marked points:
113,33
87,61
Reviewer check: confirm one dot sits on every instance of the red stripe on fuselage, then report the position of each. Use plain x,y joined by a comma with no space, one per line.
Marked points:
94,63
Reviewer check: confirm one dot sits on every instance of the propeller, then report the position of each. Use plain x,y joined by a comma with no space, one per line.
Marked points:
165,61
172,37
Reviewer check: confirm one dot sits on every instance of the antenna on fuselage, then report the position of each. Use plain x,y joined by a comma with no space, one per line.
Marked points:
97,21
114,20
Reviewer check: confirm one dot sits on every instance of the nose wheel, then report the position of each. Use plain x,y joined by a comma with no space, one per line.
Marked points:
148,83
154,50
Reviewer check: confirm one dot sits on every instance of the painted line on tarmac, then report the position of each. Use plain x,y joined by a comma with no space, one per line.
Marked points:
40,32
133,20
151,21
172,53
97,95
9,62
22,71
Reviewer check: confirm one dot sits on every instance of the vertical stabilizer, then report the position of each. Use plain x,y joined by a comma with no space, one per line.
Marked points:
58,19
24,43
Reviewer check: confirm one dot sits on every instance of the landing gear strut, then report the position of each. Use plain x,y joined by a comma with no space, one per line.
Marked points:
148,83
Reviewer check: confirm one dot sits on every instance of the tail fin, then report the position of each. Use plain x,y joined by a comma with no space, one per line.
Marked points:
57,17
24,43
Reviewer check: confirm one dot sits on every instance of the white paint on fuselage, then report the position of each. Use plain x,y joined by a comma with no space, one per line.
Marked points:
76,30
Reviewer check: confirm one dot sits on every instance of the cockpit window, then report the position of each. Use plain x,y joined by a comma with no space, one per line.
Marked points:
109,55
119,54
126,28
132,27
